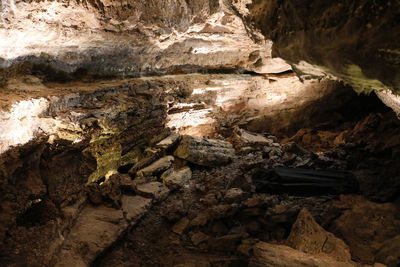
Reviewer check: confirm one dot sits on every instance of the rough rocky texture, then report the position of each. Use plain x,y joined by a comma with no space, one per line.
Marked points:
307,236
62,40
134,207
365,226
355,41
204,152
277,255
178,178
96,229
157,167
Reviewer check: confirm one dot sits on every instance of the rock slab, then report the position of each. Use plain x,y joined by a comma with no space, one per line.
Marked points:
204,152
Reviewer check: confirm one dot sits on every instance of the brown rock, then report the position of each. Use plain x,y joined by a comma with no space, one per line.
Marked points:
389,253
198,238
157,167
201,219
265,254
134,207
234,195
181,226
365,226
176,179
155,190
204,152
307,236
96,229
169,142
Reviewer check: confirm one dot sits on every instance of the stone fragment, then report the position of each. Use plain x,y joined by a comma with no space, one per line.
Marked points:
169,142
135,207
243,138
157,167
201,219
176,179
307,236
155,190
204,152
181,226
234,195
389,252
96,229
365,226
265,254
198,238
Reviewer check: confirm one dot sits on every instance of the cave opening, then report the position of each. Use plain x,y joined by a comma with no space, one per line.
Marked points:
199,133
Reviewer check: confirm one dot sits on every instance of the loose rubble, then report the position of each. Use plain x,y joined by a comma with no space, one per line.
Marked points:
191,201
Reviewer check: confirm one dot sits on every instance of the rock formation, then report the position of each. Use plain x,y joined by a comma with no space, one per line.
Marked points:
132,133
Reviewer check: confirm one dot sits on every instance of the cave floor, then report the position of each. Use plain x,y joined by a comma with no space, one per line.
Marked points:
170,162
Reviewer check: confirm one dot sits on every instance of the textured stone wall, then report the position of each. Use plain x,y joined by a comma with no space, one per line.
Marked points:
356,41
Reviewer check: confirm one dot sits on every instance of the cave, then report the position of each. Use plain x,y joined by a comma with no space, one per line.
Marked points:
200,133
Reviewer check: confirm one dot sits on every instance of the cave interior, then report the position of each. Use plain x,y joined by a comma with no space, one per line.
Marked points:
200,133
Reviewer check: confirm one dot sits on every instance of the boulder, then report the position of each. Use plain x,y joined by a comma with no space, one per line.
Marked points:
272,255
176,179
307,236
157,167
155,190
134,207
204,152
242,138
169,142
234,195
365,226
180,226
96,229
198,238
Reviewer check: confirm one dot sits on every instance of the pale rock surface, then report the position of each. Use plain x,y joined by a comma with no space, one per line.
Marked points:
177,178
168,142
96,229
157,167
134,207
365,226
234,195
155,190
205,152
307,236
270,255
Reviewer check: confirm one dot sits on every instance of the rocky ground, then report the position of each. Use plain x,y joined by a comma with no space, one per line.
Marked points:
120,188
163,133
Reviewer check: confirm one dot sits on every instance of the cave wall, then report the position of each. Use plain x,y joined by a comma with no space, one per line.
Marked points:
355,41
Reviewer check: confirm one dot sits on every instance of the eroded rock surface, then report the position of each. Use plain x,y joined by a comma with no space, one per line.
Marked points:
354,41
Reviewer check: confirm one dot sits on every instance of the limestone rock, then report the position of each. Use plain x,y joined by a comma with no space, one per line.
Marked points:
244,138
157,167
198,238
169,142
204,152
234,195
365,226
307,236
270,255
96,229
181,226
326,48
135,207
176,179
155,190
